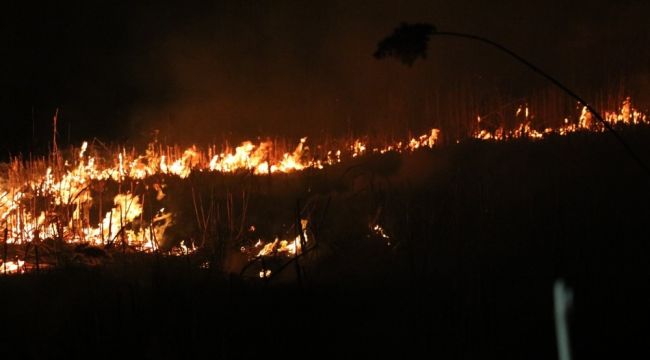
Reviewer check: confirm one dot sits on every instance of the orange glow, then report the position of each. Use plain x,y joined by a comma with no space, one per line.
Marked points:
65,189
11,267
627,114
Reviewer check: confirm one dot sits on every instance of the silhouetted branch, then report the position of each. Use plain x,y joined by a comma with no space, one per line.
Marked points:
409,41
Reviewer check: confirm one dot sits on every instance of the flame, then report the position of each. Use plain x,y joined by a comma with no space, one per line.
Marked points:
627,114
284,247
379,231
11,267
64,188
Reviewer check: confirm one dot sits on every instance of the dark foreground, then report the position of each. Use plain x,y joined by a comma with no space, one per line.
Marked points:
480,235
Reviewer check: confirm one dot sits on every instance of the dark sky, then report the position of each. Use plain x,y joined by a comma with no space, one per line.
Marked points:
201,71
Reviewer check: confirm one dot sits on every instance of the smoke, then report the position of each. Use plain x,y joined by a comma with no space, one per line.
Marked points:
206,71
247,69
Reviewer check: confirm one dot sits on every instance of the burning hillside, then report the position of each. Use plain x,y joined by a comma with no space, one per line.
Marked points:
123,200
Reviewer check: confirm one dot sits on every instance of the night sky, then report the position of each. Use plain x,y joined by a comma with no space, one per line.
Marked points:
205,71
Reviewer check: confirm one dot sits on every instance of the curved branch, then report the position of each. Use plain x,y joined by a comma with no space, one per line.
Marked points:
556,83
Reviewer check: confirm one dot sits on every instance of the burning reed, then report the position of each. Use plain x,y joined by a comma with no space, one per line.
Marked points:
125,201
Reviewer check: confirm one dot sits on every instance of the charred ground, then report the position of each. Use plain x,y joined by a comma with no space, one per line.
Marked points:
478,233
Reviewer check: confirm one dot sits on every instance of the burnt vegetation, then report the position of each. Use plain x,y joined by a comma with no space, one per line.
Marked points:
475,235
448,249
407,43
